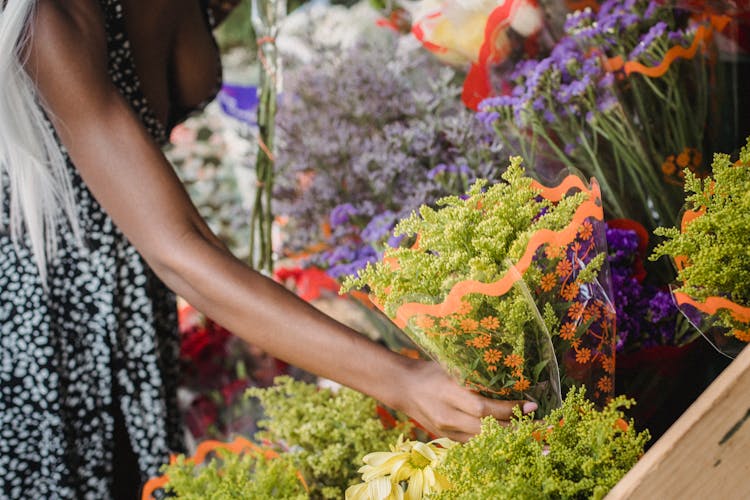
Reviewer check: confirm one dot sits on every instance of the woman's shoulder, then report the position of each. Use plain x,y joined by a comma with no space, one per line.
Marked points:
66,46
74,19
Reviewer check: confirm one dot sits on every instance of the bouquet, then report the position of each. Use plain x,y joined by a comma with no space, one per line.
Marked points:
711,253
624,96
506,287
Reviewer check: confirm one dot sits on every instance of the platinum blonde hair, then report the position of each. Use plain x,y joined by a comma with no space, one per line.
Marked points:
33,170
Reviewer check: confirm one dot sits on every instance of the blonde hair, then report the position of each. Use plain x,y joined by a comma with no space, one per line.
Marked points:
33,171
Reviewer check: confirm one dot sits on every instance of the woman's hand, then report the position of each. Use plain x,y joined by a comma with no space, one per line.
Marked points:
445,408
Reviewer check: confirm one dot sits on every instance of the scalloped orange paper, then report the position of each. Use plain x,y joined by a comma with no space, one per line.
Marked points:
703,34
591,208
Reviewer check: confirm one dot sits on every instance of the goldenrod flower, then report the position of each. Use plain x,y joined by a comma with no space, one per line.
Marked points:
411,462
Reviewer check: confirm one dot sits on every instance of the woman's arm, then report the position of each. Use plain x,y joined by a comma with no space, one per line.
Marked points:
131,179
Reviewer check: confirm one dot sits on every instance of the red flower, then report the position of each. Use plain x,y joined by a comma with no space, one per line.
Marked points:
230,391
201,415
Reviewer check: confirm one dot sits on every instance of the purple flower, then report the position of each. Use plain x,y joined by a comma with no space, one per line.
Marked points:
662,306
623,246
341,214
343,253
378,227
395,241
647,40
488,118
606,81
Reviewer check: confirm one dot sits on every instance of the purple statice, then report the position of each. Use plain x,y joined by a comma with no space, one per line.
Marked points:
579,19
360,256
365,137
341,214
655,33
379,227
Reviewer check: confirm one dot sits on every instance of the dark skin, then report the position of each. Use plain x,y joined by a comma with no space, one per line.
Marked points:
129,176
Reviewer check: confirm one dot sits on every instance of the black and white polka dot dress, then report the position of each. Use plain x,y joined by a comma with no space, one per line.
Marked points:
88,368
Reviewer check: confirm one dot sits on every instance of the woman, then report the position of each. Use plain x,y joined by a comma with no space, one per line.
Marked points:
96,229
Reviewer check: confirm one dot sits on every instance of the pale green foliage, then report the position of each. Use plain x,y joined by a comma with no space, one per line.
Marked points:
575,452
327,433
232,476
717,244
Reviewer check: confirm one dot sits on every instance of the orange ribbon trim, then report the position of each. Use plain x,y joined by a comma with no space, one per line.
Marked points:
712,304
681,261
452,303
239,445
702,34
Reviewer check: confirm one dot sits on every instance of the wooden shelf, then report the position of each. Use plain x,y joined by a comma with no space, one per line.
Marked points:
706,453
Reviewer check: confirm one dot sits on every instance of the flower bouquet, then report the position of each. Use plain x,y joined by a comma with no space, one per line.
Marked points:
711,253
236,469
624,96
506,287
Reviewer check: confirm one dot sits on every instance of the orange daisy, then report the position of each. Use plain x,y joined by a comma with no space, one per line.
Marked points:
492,355
568,331
564,267
608,363
481,341
586,230
465,308
469,325
513,360
490,323
583,355
683,159
522,385
570,291
605,384
575,310
591,313
548,282
491,368
668,167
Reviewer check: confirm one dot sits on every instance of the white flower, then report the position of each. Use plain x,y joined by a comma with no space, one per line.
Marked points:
412,462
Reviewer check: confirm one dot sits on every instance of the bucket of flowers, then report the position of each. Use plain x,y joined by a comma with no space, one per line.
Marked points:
711,253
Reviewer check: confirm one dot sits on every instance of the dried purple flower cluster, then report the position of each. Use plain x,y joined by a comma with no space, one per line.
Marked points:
367,136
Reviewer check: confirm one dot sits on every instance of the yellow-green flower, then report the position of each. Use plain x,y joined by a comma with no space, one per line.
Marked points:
411,462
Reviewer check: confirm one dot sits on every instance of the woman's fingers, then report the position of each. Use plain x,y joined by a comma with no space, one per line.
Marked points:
503,410
446,408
